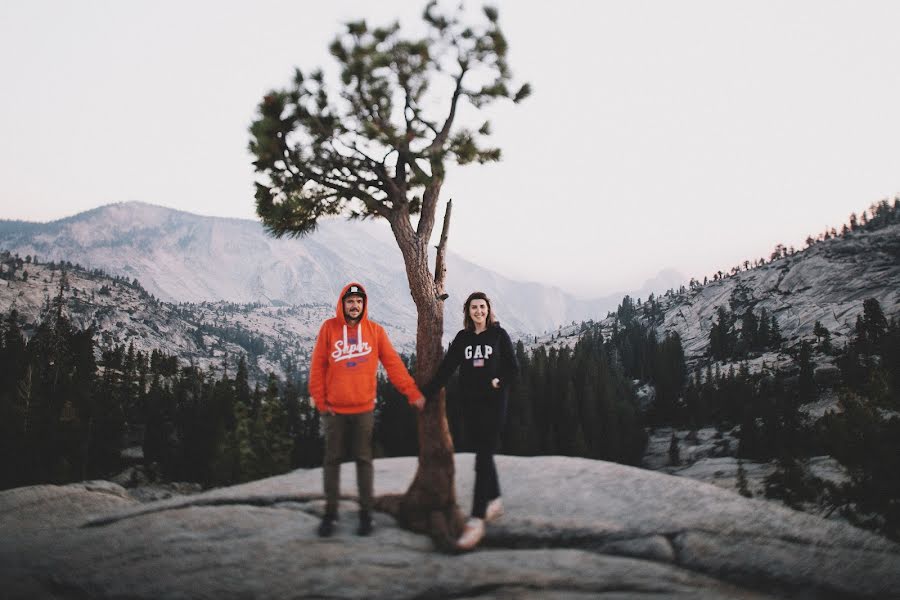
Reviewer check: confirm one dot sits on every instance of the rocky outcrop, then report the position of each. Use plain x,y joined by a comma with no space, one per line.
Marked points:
827,282
573,528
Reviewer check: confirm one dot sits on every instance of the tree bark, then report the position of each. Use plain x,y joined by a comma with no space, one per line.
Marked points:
429,504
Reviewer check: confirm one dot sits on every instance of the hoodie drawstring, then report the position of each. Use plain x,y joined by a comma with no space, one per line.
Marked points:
359,339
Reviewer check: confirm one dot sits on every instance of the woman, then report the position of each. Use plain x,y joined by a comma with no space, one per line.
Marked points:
487,366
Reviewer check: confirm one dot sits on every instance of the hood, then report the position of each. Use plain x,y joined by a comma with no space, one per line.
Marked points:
340,303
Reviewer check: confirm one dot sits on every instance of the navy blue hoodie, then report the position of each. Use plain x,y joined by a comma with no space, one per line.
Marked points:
480,358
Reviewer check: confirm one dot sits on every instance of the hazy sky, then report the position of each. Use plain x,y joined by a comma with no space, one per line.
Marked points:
689,135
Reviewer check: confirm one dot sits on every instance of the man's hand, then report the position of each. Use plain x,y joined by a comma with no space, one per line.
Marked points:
328,408
419,402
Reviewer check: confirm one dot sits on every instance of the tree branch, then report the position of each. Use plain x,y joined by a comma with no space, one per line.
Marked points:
384,181
429,200
372,204
432,191
441,137
440,266
417,114
388,185
419,171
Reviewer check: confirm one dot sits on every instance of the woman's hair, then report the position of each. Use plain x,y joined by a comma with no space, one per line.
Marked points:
467,320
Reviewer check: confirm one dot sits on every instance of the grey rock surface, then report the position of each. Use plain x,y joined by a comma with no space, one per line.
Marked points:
573,528
827,282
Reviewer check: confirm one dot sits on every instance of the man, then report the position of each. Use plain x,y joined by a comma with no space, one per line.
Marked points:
342,386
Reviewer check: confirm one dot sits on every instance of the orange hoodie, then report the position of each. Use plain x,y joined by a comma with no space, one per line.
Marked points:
344,361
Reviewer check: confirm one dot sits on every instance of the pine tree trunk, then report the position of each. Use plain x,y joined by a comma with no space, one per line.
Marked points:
430,502
429,505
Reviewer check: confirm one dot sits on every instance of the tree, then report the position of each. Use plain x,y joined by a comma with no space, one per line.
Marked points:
394,421
873,320
749,331
823,337
241,384
374,149
669,375
763,335
273,432
806,385
15,401
721,335
775,338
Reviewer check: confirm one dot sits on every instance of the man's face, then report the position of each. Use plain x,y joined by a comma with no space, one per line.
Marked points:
353,307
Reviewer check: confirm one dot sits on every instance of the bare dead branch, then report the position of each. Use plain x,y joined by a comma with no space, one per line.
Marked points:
440,265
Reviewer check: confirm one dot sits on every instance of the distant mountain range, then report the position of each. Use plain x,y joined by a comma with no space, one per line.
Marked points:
291,285
207,334
183,257
826,282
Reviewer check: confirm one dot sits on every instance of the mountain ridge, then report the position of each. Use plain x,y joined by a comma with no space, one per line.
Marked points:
179,256
825,282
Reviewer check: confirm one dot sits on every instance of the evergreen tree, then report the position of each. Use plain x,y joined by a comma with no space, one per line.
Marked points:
721,340
792,483
395,421
319,157
542,402
823,337
156,437
775,338
749,332
98,426
518,435
806,384
869,447
290,399
669,375
15,403
874,322
272,429
308,448
245,449
223,442
241,384
763,333
572,438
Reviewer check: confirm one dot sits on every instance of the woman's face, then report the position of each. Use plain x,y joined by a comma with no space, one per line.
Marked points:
478,311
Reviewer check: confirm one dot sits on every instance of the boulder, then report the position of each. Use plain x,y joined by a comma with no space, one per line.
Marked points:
574,528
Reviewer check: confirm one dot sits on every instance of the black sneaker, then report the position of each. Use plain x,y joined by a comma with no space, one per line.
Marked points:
326,527
365,524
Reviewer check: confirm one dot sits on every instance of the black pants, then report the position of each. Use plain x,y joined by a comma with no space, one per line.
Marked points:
484,418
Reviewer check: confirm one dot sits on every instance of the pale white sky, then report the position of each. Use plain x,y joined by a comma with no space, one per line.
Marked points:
689,135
